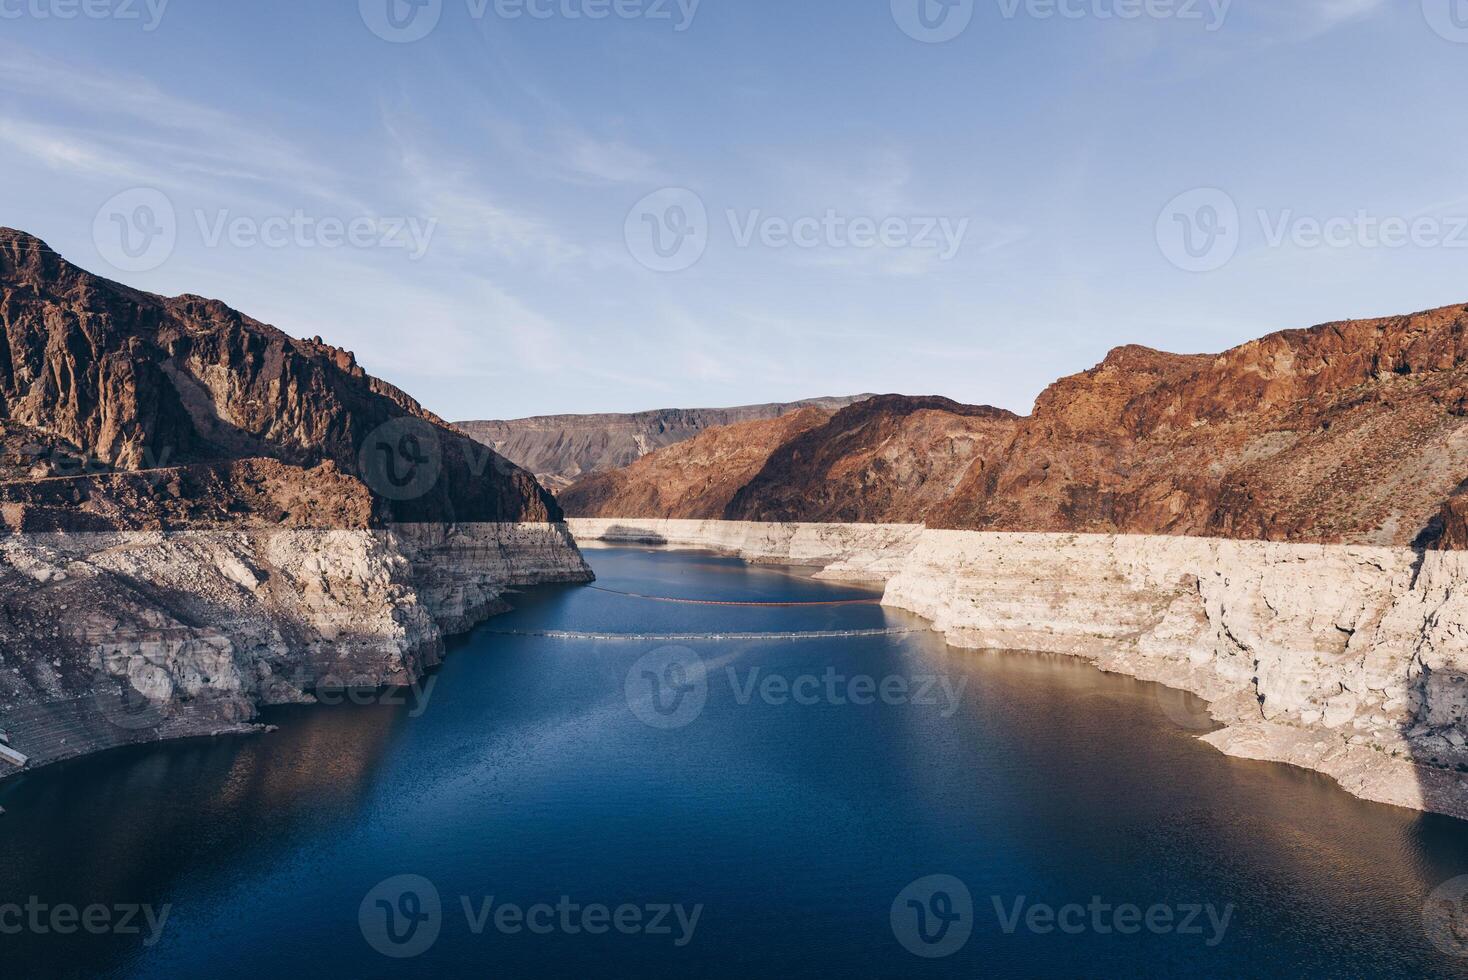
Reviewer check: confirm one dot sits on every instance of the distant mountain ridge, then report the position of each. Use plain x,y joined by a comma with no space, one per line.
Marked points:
1350,432
560,449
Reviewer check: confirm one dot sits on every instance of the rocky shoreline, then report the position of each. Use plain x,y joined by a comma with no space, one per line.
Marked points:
152,635
1347,660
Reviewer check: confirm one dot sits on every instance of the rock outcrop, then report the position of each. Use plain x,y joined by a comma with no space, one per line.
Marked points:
888,459
1349,660
131,381
1350,433
560,449
202,515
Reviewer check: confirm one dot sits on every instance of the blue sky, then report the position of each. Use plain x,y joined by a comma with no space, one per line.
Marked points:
520,148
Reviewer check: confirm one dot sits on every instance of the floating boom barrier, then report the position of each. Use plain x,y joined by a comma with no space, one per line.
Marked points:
691,637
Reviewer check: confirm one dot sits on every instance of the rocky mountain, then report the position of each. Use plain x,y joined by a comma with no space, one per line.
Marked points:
697,478
890,458
200,515
98,377
1355,432
560,449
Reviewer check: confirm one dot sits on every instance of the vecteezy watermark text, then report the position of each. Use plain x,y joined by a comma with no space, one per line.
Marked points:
669,688
301,230
149,13
138,230
403,917
1201,230
835,688
941,235
1204,920
669,231
405,21
1210,13
934,916
937,21
61,919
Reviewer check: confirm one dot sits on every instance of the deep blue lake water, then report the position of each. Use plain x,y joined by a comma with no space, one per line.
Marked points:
728,808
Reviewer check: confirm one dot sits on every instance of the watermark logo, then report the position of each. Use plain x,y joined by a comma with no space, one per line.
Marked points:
401,917
1445,917
149,13
1200,230
1449,18
668,231
136,701
137,230
401,459
401,21
1187,710
933,21
667,688
933,917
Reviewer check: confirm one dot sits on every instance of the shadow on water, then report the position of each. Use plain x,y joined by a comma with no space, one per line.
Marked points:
143,824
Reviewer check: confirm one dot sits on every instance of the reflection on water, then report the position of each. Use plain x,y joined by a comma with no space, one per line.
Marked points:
793,816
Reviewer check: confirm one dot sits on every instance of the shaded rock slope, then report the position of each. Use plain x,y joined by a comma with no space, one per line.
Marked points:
92,370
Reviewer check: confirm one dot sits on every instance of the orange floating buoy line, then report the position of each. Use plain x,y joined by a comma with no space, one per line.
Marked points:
876,601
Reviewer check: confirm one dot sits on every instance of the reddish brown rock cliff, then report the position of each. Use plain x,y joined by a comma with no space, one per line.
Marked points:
96,376
1347,432
693,479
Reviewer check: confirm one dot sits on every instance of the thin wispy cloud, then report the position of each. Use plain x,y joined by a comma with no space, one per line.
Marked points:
130,130
530,144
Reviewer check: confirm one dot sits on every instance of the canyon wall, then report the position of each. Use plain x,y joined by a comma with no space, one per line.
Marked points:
201,515
133,636
1349,660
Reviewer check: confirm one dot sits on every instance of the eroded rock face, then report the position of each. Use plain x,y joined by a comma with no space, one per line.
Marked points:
1352,432
132,381
695,479
888,458
1346,432
119,637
